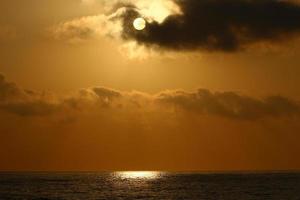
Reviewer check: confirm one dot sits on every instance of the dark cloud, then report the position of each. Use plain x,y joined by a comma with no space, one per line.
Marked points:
106,93
218,25
230,104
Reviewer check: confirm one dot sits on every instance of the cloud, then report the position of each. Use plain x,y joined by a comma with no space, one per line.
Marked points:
107,93
85,28
34,108
79,29
111,23
8,90
191,25
16,100
230,104
214,25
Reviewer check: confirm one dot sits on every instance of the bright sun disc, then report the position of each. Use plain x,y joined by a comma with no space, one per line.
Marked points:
139,24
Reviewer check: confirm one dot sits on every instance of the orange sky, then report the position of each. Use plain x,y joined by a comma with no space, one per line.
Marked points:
71,102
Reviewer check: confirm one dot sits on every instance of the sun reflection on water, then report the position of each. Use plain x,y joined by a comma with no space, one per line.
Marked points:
138,174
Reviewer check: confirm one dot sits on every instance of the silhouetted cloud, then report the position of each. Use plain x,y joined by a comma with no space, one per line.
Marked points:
14,99
214,25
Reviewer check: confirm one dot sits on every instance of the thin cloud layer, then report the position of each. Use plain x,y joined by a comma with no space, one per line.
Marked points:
16,100
84,28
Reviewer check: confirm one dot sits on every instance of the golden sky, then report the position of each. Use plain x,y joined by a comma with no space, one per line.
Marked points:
81,89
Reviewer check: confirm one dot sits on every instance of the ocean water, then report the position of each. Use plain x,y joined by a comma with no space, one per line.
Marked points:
149,185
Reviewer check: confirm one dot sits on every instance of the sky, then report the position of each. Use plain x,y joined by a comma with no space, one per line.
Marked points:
206,85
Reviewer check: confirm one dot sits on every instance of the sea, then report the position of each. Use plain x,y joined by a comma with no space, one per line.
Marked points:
149,185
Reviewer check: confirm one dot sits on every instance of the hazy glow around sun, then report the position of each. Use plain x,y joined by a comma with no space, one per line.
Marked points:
157,10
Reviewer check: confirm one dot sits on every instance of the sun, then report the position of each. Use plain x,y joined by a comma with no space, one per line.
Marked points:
139,24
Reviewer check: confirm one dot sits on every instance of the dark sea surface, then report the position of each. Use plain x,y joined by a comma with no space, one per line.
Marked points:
149,185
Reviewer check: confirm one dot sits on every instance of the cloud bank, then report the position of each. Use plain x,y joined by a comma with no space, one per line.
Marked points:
18,101
101,129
